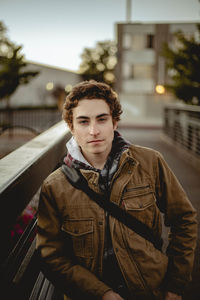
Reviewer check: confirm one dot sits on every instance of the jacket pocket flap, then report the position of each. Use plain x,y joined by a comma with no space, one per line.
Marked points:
139,203
137,190
78,227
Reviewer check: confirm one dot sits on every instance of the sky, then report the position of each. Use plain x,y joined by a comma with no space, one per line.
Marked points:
55,32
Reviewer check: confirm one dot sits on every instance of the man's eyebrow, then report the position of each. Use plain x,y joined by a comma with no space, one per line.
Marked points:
103,115
98,116
82,117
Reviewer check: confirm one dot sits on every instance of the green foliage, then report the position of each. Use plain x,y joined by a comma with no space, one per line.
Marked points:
184,65
12,66
98,63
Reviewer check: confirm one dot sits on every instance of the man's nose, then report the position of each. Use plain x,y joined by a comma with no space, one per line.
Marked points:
94,130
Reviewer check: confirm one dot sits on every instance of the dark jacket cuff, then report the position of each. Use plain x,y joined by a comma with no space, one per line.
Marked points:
177,287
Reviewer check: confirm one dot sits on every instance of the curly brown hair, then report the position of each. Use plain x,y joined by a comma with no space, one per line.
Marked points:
91,89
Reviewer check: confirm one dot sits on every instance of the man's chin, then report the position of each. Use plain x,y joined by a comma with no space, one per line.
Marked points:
97,152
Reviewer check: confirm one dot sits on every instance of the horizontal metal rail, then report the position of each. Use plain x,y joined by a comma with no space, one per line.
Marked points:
23,171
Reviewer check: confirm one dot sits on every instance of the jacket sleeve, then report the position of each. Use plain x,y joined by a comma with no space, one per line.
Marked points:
180,216
57,260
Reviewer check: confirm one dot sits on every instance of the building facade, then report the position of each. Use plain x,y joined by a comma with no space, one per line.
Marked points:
141,69
41,90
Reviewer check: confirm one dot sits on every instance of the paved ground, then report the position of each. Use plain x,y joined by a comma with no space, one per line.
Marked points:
188,176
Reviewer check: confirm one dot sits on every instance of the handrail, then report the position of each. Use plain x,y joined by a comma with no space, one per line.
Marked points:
181,106
23,171
182,127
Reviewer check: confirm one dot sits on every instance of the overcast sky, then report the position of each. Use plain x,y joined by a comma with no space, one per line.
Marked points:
55,32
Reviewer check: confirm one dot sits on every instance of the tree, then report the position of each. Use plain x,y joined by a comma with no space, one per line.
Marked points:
98,63
12,65
59,94
184,65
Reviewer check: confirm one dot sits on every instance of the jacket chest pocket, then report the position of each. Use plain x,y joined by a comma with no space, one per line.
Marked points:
81,232
140,202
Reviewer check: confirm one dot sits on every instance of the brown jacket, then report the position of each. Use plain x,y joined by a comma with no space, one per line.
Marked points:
71,229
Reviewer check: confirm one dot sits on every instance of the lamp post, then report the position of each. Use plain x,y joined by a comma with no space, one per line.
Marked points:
128,11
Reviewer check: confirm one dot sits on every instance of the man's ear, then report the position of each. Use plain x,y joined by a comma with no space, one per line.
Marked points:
115,124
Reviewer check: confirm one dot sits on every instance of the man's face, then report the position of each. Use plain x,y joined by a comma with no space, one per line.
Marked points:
93,127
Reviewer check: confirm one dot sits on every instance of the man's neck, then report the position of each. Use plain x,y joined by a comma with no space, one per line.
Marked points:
96,160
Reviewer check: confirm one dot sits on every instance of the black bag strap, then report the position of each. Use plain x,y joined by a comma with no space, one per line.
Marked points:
77,180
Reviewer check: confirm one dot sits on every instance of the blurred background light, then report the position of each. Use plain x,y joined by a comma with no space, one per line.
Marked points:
49,86
160,89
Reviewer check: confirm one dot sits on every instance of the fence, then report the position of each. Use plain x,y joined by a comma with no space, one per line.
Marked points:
22,173
182,126
35,119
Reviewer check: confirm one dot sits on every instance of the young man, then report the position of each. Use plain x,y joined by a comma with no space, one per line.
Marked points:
87,252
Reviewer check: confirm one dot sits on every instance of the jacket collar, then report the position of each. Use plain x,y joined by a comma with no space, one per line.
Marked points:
103,177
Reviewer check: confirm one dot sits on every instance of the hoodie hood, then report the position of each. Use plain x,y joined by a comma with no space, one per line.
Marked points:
75,152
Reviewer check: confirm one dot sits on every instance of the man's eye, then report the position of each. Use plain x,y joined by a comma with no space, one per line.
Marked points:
102,119
83,122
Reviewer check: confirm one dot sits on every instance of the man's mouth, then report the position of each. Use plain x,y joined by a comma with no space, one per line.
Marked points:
95,141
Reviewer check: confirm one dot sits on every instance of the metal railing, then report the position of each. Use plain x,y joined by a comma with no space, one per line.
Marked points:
21,175
36,119
182,126
22,172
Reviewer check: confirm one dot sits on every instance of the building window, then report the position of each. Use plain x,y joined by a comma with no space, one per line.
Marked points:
141,71
127,41
150,41
138,42
137,71
127,71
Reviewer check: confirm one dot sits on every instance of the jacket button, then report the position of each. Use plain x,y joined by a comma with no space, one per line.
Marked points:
100,223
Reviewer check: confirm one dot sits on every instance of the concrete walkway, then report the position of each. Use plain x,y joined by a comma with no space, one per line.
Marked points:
188,176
